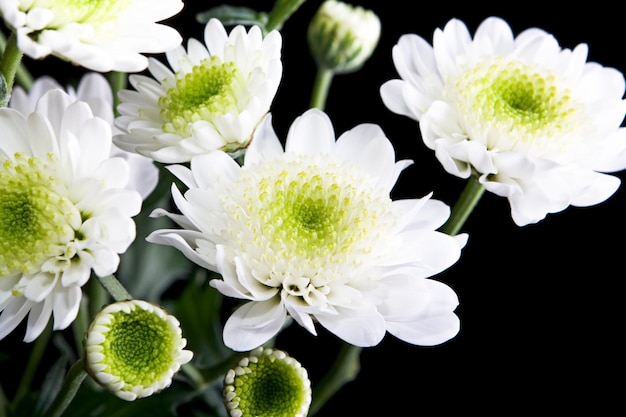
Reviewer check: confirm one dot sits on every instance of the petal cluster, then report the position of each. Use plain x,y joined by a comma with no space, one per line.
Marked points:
101,35
64,210
213,97
534,122
310,232
93,89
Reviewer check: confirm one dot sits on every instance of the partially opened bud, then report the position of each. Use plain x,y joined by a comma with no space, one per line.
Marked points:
342,37
133,348
268,382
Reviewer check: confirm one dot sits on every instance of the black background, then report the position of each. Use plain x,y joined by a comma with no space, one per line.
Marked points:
540,305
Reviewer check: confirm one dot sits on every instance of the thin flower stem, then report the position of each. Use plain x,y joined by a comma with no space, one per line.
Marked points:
282,10
321,86
115,288
33,363
11,59
22,77
345,369
462,209
118,81
73,380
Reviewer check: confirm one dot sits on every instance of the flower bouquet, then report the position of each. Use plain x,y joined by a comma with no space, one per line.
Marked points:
286,208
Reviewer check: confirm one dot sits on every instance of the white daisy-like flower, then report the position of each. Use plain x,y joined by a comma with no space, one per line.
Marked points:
214,99
311,233
101,35
535,123
267,382
134,348
94,89
64,210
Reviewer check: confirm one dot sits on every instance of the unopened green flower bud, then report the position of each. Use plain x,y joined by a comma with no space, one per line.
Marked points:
342,37
133,349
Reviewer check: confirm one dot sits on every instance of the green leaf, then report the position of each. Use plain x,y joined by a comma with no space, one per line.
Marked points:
51,384
233,15
98,402
198,308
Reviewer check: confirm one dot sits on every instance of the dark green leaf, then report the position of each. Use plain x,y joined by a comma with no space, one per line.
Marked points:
198,309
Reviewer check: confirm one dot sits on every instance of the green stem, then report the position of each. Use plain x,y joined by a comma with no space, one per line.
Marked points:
10,62
79,326
282,10
118,81
321,86
33,363
467,201
344,370
115,288
73,380
22,76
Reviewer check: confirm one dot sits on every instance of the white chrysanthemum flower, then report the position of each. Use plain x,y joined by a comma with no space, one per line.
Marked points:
214,99
535,123
267,382
63,210
94,89
312,233
134,348
102,35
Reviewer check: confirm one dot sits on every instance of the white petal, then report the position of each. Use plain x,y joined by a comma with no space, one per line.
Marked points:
253,324
359,328
65,303
38,318
311,133
13,314
265,144
39,287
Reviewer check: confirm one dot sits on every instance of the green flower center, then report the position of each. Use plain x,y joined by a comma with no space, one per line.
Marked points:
36,220
517,102
138,347
315,211
302,223
98,12
209,91
271,388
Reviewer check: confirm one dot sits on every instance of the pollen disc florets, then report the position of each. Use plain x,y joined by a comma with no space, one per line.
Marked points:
133,348
207,92
527,107
268,382
314,218
37,221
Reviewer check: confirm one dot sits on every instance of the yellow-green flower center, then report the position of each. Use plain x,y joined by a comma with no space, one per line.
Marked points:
96,12
272,387
512,105
36,219
138,347
206,93
302,223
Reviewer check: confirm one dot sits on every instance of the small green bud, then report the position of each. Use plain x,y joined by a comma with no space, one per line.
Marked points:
133,349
